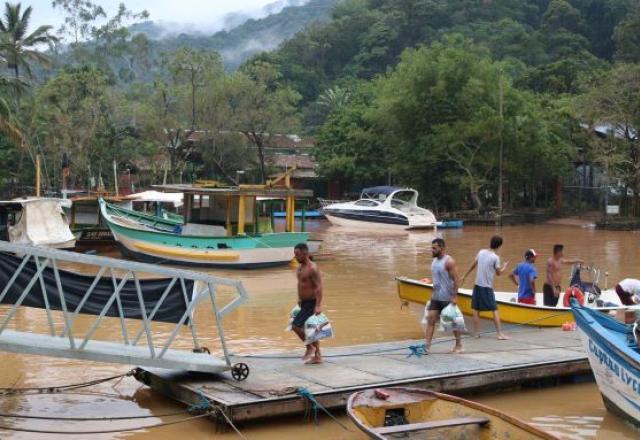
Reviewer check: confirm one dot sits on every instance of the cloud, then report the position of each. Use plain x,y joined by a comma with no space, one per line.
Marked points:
187,16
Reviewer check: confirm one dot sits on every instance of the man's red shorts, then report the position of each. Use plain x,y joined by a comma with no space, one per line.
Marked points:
528,300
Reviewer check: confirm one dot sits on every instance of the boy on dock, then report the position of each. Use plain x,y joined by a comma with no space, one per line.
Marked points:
309,299
445,290
483,297
524,276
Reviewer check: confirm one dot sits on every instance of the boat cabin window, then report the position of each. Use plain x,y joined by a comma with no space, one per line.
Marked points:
212,210
366,203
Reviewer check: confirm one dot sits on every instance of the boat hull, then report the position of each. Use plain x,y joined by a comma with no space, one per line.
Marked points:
615,365
367,224
419,292
236,252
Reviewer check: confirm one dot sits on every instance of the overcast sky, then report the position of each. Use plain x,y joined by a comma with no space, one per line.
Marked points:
206,15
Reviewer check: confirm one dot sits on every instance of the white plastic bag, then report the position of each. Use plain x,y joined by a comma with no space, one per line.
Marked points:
451,319
292,315
425,314
316,328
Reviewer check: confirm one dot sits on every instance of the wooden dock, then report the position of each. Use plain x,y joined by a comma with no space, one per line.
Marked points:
531,355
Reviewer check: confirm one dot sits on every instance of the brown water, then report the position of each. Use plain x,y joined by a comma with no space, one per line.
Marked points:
361,300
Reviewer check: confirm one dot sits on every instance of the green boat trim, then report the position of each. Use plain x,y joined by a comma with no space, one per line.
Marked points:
247,241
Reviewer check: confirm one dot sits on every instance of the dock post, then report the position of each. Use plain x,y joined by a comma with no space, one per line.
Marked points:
241,214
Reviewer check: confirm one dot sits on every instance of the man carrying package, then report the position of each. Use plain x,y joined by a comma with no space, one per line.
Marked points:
309,300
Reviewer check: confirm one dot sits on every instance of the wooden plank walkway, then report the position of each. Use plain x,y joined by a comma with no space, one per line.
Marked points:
530,355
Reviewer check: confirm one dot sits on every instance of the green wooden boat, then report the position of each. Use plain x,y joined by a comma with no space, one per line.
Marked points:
213,233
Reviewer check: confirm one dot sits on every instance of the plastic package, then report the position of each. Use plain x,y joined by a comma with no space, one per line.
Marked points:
316,328
451,319
292,315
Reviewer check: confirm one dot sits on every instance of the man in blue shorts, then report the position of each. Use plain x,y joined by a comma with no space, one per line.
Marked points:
483,298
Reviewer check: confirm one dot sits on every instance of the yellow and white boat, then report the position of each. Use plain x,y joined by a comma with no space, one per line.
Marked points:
420,414
419,292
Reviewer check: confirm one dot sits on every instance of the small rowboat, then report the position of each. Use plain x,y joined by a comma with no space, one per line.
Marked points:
419,414
419,292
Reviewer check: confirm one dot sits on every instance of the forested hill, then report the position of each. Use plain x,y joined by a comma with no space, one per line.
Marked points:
555,40
242,41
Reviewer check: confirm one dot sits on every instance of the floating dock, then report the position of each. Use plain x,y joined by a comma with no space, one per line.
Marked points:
542,356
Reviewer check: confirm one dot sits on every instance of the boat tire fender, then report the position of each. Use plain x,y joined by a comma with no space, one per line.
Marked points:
573,292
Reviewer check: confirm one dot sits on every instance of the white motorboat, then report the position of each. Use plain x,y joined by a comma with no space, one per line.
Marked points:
382,208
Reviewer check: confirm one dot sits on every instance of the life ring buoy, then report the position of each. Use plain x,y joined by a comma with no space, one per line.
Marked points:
425,280
573,292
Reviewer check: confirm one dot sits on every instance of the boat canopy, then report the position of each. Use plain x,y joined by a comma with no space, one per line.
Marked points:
375,190
41,221
235,206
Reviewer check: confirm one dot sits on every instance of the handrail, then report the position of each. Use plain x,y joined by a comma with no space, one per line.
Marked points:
34,264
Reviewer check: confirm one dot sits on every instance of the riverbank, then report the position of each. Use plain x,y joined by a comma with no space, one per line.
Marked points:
619,224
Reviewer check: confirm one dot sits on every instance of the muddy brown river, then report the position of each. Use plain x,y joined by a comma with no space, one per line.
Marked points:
360,298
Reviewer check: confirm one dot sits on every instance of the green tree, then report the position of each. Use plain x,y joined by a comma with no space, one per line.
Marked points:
449,108
608,103
627,38
349,149
260,108
17,45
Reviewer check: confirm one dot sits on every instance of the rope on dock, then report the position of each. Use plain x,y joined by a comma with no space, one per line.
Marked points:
414,350
315,406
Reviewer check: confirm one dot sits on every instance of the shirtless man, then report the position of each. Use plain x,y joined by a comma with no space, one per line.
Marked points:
552,284
309,299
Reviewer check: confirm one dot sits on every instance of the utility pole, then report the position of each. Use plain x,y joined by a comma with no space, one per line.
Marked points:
501,111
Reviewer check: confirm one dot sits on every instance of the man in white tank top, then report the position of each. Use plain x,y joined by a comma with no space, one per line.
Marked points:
444,274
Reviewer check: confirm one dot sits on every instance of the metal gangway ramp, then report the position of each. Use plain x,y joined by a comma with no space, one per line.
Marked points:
120,289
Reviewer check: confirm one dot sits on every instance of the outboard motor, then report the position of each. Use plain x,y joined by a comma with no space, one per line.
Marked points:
591,290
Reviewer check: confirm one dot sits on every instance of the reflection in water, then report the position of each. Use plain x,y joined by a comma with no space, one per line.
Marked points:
572,412
362,302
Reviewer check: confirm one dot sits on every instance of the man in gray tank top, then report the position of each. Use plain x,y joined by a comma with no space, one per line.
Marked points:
444,274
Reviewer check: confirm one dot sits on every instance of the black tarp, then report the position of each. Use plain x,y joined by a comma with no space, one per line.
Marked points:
75,286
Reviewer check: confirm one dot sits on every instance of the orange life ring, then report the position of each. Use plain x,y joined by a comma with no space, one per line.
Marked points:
573,292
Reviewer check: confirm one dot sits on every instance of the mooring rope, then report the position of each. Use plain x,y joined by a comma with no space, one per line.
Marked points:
315,406
203,406
106,431
60,388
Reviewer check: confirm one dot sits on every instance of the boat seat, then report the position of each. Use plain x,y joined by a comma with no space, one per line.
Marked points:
446,423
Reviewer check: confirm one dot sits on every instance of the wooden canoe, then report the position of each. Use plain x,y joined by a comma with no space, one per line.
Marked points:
419,292
420,414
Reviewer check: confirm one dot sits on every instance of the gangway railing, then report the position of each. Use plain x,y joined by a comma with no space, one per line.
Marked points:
126,290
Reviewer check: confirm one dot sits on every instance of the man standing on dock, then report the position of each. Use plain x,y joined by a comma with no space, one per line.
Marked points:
524,276
483,298
552,285
309,299
445,290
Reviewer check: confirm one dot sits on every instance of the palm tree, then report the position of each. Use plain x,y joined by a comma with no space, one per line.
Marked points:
17,47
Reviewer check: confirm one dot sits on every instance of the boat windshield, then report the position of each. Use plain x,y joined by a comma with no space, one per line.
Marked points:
403,200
